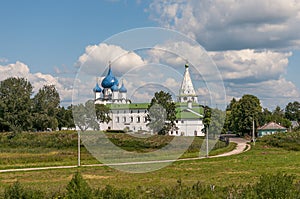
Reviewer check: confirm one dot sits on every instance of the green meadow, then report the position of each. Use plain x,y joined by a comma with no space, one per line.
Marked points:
244,169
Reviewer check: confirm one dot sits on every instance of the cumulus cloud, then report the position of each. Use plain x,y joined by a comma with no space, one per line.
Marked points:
271,92
243,71
230,24
97,57
38,80
251,65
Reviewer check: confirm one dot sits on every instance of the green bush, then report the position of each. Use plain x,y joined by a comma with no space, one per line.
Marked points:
78,188
288,141
17,191
110,192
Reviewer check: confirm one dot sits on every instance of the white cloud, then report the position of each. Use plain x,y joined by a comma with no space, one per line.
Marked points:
96,58
250,65
271,92
231,24
172,83
3,60
38,80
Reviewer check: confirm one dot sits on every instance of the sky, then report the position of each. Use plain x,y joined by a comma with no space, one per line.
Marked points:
254,44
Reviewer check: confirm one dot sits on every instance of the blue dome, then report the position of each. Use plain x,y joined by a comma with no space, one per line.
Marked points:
97,88
109,80
114,88
123,89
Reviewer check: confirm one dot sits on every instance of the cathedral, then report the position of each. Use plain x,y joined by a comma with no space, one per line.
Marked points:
132,117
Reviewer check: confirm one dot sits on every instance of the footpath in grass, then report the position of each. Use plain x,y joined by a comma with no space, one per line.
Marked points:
60,148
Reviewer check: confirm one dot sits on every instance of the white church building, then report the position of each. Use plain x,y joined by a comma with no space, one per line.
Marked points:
132,117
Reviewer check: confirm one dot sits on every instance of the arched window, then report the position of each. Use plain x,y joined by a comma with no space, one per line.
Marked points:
138,119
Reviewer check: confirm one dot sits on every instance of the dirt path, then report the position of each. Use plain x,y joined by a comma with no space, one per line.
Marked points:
241,147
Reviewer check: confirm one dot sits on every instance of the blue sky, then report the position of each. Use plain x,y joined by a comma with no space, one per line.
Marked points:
255,47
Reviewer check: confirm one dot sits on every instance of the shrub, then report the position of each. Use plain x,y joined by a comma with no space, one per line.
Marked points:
78,188
110,192
17,191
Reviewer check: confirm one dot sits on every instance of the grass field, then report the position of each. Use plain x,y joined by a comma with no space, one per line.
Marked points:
239,169
57,149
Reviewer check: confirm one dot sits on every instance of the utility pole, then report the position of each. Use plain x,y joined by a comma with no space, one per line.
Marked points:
78,148
207,142
253,132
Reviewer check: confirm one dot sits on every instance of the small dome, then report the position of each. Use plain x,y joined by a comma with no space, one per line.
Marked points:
114,88
97,89
109,80
123,89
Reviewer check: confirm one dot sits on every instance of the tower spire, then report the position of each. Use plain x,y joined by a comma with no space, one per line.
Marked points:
187,92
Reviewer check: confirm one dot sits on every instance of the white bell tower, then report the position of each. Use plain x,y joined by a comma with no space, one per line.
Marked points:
187,92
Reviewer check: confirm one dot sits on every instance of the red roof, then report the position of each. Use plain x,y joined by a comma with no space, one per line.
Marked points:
271,126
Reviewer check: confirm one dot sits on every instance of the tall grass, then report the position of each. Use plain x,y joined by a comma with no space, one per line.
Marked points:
289,141
269,186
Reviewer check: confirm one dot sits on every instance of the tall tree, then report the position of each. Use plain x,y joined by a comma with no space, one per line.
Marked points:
65,118
228,124
161,113
15,104
46,107
278,116
214,121
292,111
243,112
85,116
102,113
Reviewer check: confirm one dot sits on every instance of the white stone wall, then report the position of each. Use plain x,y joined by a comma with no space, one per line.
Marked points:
188,127
134,120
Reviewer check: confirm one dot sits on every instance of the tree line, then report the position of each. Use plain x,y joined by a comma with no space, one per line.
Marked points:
240,114
20,110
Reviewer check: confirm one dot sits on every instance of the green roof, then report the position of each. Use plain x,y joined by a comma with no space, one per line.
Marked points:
183,113
187,115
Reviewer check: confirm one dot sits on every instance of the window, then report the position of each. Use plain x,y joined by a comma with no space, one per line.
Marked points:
182,121
131,111
117,119
124,119
138,119
185,98
145,119
138,111
131,119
